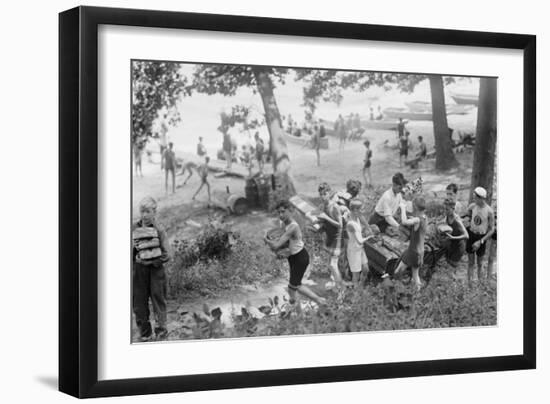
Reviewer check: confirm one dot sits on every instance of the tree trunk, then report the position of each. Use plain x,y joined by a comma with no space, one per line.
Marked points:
483,172
277,144
444,156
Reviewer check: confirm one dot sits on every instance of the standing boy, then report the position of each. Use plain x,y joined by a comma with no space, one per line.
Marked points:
203,174
340,130
148,274
259,151
357,259
170,166
138,151
404,145
413,257
481,230
400,128
333,225
298,260
366,164
316,144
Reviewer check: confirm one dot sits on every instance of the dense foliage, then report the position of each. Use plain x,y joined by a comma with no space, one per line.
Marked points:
218,260
156,86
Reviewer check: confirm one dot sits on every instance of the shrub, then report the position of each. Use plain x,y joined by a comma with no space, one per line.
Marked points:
218,260
444,303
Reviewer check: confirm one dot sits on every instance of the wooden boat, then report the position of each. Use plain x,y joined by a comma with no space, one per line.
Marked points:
304,139
396,113
381,124
470,99
426,107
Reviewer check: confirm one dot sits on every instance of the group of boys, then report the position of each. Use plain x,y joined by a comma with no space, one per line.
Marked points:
345,230
343,223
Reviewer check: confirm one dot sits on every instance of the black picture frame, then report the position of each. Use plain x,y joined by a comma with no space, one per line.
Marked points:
78,200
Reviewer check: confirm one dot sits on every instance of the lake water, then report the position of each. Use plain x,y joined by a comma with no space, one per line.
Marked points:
200,113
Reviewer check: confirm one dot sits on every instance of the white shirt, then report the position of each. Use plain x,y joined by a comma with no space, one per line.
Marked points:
388,203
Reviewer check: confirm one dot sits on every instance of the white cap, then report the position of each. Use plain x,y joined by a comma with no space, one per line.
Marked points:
480,191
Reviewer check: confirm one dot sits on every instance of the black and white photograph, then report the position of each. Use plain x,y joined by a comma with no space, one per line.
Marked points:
274,201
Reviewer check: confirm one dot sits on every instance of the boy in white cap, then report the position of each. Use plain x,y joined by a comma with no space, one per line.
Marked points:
481,230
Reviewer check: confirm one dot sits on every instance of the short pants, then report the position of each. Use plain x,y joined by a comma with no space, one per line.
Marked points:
472,238
298,264
413,258
357,259
333,241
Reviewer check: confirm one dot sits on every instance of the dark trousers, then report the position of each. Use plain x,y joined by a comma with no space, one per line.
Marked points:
149,282
379,220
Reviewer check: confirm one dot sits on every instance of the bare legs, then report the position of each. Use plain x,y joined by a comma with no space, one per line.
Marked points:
492,257
204,182
307,292
335,272
415,274
471,262
367,177
166,172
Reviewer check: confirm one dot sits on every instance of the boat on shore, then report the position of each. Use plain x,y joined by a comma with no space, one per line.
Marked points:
380,124
465,99
426,107
305,138
396,113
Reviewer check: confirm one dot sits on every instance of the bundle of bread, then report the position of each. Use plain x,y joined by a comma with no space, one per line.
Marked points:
275,234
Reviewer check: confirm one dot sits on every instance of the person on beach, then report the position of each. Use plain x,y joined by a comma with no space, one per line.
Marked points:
246,158
201,149
366,164
316,144
227,147
163,141
413,257
298,260
400,128
138,151
454,241
388,204
380,115
332,220
169,158
187,167
481,230
260,150
422,149
203,170
340,130
357,258
149,255
371,113
404,144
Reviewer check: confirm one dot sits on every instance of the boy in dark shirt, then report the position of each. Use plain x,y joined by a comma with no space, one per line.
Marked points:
170,166
148,274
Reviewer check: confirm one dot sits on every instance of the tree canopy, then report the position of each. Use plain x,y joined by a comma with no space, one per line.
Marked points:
156,86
